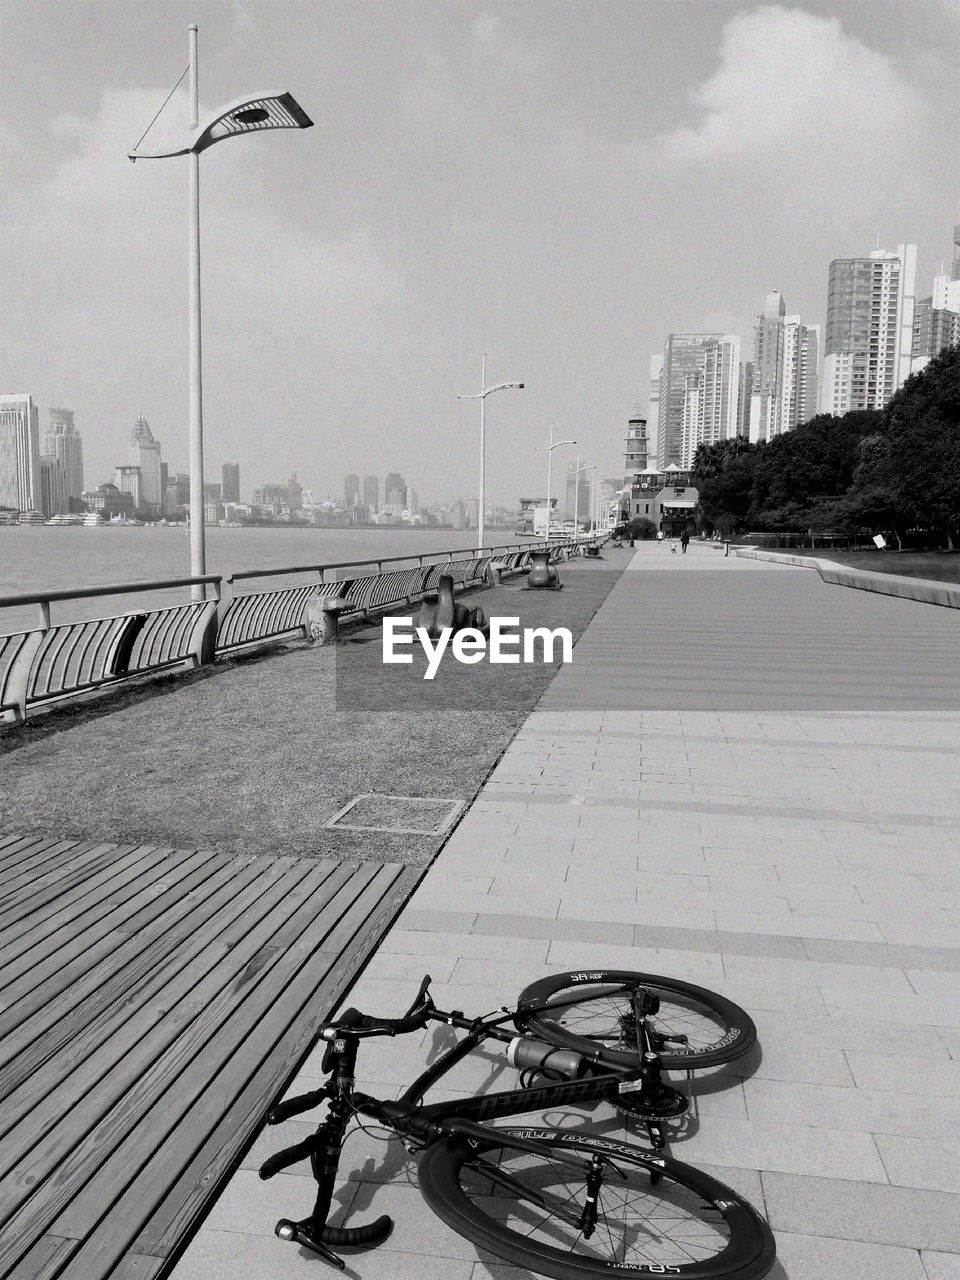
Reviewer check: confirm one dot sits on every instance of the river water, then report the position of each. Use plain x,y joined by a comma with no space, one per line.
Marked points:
37,558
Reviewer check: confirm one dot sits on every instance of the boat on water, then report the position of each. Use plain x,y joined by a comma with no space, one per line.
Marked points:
63,520
31,517
93,520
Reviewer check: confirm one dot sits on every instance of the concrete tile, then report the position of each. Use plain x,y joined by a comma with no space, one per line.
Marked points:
865,1110
806,1257
922,1162
941,1266
866,1211
755,1144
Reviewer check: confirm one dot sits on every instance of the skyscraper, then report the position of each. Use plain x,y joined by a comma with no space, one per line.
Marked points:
19,453
395,493
955,275
63,442
230,477
786,355
684,355
869,339
294,493
145,454
351,492
710,407
371,493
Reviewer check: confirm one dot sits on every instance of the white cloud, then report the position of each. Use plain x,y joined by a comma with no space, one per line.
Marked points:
790,80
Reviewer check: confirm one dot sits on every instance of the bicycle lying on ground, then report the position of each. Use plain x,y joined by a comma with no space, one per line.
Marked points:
561,1202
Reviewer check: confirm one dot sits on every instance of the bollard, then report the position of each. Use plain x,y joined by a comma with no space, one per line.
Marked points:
726,547
323,618
542,575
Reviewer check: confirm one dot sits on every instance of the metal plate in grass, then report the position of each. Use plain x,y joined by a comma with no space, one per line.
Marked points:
406,815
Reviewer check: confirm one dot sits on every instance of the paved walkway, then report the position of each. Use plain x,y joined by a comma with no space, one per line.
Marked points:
747,779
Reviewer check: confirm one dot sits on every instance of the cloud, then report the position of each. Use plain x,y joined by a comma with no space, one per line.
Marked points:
788,80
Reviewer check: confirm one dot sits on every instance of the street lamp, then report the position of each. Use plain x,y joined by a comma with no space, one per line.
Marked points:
590,466
251,114
482,397
553,445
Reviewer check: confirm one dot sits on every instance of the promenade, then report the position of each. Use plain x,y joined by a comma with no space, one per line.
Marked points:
747,779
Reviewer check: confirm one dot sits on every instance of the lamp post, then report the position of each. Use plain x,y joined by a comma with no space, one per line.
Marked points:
250,114
482,397
553,445
590,466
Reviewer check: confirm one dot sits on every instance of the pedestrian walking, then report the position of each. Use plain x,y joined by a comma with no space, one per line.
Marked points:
684,540
659,537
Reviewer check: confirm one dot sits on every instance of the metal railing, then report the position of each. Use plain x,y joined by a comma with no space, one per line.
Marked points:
61,660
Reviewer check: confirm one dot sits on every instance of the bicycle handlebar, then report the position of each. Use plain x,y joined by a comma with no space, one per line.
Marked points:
362,1024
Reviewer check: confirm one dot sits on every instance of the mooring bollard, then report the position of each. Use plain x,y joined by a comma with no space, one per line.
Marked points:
726,547
542,575
323,618
440,612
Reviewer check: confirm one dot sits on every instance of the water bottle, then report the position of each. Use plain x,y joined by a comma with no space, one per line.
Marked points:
526,1054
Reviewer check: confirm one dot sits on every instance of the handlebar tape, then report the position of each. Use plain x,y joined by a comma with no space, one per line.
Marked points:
283,1159
372,1233
294,1106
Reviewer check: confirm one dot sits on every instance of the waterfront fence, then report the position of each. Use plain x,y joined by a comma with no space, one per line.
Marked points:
57,661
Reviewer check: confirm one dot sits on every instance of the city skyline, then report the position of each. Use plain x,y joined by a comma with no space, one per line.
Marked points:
727,104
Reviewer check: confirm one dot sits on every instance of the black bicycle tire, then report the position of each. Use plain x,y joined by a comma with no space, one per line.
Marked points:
749,1254
739,1038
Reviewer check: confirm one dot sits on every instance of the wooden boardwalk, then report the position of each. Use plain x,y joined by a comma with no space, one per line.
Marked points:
153,1003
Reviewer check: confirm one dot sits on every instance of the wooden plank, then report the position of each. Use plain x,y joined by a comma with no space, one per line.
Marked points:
101,885
67,1042
9,837
37,854
89,1160
188,1197
18,842
47,1260
33,891
96,951
304,969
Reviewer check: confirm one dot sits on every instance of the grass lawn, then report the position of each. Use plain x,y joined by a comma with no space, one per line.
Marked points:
940,566
255,755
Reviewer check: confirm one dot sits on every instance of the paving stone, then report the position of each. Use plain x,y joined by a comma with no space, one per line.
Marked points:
941,1266
862,1210
922,1162
806,1257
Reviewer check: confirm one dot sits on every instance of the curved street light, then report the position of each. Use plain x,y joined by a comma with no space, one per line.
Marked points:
482,397
251,114
553,445
587,466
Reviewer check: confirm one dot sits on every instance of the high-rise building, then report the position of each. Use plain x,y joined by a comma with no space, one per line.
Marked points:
351,492
63,442
868,350
934,330
745,393
129,479
294,493
786,355
19,453
371,493
145,454
683,355
413,499
230,478
395,493
176,494
472,512
653,420
955,274
53,486
709,407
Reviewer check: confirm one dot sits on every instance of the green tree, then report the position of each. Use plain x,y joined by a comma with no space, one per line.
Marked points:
922,460
723,475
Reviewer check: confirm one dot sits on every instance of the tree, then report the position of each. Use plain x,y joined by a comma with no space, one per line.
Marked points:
923,445
723,475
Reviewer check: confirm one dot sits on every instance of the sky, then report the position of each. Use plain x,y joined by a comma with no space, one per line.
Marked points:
557,183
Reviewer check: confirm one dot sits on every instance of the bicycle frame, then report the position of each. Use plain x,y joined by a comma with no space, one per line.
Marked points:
419,1125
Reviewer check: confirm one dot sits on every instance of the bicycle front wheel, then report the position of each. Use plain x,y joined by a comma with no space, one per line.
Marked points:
655,1216
592,1013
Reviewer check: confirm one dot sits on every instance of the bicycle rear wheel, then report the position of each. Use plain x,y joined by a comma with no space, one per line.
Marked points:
525,1207
594,1015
